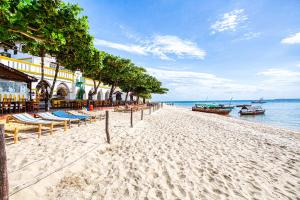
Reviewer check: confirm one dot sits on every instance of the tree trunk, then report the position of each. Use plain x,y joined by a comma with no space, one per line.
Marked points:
111,92
42,64
126,97
3,166
44,87
96,87
47,100
138,99
144,100
52,87
54,80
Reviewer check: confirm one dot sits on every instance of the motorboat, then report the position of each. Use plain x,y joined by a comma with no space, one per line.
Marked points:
252,110
213,108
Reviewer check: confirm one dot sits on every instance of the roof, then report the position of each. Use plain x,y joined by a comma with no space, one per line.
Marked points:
9,73
117,92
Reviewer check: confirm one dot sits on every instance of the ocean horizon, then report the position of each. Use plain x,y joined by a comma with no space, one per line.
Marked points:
284,113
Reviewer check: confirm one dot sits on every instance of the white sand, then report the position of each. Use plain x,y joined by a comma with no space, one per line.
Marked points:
173,154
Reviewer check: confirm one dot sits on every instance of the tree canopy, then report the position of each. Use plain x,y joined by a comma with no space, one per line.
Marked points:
57,29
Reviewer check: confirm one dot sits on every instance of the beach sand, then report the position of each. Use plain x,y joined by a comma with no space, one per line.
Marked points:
173,153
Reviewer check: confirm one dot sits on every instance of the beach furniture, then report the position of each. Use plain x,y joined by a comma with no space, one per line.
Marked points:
126,108
70,116
14,131
27,119
92,114
88,116
49,116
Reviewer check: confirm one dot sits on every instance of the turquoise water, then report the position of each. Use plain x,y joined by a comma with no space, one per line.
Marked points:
280,112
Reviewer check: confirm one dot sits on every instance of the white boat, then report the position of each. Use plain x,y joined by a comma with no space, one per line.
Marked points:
252,110
261,100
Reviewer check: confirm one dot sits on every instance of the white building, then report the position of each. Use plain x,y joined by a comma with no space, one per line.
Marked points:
66,80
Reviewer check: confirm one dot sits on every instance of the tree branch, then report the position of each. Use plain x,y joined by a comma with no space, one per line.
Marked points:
27,35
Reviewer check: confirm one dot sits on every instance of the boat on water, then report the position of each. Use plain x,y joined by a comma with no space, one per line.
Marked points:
242,105
213,108
252,110
261,100
227,106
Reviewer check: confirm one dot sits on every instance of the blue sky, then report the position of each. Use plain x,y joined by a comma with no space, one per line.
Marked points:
205,49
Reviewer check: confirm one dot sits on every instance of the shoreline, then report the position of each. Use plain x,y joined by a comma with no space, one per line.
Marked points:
273,125
173,153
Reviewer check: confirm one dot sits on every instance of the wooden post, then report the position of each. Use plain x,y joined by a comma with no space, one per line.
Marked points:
3,166
131,118
142,113
106,126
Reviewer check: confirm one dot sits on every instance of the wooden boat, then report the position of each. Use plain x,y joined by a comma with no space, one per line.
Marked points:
229,106
252,110
212,108
261,100
242,105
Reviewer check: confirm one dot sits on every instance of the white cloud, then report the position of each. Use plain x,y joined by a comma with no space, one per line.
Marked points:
196,85
292,39
189,85
248,36
229,21
128,48
280,77
251,35
298,65
162,46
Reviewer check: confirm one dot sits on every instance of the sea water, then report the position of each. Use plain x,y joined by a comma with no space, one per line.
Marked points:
279,112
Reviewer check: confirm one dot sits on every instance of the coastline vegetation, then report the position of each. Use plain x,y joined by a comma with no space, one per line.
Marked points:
58,29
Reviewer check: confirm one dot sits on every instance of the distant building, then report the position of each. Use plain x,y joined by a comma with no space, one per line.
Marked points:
68,83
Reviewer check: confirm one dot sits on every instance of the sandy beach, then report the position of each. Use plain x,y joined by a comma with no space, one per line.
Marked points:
173,153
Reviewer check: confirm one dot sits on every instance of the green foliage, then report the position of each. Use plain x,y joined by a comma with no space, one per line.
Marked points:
52,27
114,69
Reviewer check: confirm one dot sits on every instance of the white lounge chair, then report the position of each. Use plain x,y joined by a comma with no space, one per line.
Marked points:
25,118
49,116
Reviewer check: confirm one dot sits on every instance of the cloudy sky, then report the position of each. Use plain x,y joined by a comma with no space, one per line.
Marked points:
205,49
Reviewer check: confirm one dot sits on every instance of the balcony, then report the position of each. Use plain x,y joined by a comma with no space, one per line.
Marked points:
35,70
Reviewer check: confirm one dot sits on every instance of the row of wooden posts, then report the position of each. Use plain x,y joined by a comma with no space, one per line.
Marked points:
151,108
3,160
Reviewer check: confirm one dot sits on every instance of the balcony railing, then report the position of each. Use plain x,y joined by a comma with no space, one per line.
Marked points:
35,69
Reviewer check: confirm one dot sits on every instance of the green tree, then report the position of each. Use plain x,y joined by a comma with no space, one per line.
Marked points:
93,68
130,78
147,85
114,69
75,32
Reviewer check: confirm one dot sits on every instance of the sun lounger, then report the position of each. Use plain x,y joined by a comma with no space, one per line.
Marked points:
126,108
49,116
25,118
70,116
94,114
14,131
89,115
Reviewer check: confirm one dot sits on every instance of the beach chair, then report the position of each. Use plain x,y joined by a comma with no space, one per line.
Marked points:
27,119
49,116
14,131
101,115
70,116
76,113
88,114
